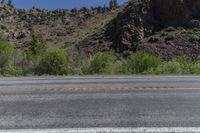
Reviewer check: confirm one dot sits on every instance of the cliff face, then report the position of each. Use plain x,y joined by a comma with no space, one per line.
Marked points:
130,26
142,18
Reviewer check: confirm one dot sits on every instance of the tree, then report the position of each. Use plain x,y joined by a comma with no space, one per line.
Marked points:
113,3
10,3
37,45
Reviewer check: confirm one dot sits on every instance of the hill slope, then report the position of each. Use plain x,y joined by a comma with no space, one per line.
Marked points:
165,28
59,28
143,24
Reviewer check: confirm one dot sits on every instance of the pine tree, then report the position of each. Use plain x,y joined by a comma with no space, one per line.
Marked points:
37,44
10,3
113,3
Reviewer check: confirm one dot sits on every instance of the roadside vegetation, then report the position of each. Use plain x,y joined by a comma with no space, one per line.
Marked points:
37,59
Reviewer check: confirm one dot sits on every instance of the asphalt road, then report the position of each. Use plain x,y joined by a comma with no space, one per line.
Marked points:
98,83
99,102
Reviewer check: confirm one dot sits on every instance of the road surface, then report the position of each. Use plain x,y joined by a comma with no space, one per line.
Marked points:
92,104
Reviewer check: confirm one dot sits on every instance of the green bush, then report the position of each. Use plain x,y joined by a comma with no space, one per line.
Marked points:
6,53
54,61
121,67
196,31
8,65
180,65
171,67
195,68
11,71
197,60
140,62
100,63
185,63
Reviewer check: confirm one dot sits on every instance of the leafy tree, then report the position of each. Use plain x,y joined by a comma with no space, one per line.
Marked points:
37,45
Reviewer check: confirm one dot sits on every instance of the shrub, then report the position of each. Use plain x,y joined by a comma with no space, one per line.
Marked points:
171,67
54,61
185,63
140,62
197,60
7,60
196,31
180,65
11,71
6,53
195,68
121,67
100,63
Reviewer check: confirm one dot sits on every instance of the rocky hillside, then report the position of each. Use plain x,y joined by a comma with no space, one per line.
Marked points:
60,28
167,28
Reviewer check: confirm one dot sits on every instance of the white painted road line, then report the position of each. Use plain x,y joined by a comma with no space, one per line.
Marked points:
109,130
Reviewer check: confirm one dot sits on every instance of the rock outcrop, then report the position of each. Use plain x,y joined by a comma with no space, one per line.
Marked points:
128,28
143,17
